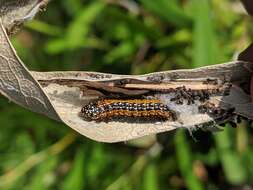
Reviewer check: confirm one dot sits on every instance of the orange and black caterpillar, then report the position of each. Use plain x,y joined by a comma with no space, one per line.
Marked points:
106,109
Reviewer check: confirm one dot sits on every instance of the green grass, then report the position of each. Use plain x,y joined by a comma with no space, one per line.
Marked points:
137,37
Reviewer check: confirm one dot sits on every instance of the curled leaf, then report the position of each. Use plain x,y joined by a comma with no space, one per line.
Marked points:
16,82
200,97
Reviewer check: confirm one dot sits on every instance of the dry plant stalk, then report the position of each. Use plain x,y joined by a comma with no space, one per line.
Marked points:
199,98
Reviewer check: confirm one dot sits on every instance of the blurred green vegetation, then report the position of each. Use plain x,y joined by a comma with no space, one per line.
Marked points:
129,37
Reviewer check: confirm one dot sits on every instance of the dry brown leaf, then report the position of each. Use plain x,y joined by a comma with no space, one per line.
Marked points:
15,12
61,95
17,83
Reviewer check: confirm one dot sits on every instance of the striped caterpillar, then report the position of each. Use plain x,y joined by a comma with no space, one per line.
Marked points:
107,109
